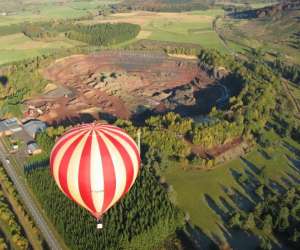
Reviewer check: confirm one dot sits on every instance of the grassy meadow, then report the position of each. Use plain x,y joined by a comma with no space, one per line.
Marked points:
18,46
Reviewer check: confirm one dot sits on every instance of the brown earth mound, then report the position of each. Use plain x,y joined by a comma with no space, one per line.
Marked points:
121,83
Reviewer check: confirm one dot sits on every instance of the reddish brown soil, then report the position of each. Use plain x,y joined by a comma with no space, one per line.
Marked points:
141,76
217,150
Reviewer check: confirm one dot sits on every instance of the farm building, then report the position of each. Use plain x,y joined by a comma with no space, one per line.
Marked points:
33,148
9,127
32,127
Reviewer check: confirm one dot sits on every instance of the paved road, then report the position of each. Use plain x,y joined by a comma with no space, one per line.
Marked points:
27,200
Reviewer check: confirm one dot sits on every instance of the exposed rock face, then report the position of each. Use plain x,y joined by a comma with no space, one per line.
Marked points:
181,96
129,81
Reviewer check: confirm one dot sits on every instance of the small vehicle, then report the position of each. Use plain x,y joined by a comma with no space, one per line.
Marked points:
7,161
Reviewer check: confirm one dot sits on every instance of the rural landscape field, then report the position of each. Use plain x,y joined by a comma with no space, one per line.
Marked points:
162,124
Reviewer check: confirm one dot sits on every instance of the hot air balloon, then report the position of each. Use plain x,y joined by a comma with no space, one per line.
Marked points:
95,165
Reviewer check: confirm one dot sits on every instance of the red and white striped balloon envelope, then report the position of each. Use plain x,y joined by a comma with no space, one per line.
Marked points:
95,165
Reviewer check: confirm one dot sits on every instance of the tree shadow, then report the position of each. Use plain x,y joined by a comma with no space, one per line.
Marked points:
235,174
107,117
251,166
226,204
74,120
287,181
264,154
249,184
241,201
215,207
185,238
3,81
293,178
239,239
275,185
294,164
200,239
291,148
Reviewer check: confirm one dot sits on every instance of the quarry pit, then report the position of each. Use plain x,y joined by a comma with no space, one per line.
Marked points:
123,84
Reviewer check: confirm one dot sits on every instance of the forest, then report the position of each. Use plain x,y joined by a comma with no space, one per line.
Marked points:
145,217
104,34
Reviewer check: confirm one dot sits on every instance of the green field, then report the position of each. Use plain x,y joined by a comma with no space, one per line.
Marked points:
47,10
188,27
200,32
193,187
18,46
194,27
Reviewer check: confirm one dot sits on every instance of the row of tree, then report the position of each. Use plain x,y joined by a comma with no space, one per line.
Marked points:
8,217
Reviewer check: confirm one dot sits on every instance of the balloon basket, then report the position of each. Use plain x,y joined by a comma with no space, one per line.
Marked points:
99,224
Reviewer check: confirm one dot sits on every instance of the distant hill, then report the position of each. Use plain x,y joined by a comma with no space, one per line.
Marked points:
269,11
274,29
181,5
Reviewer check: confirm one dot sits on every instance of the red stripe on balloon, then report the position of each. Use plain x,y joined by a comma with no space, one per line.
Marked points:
109,176
84,174
64,164
126,159
129,141
111,127
58,146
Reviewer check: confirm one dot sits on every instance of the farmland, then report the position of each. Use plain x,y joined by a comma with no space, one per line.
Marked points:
18,46
44,10
187,27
